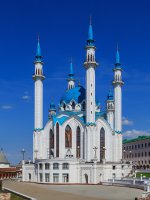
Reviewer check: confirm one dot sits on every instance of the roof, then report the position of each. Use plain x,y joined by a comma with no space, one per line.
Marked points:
77,94
3,159
64,116
136,139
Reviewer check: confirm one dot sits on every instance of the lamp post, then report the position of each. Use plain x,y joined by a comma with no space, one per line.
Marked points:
23,153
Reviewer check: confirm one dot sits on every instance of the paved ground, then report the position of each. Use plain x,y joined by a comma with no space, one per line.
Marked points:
74,192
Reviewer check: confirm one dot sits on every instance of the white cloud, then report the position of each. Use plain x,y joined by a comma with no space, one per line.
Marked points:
26,96
135,133
6,107
126,121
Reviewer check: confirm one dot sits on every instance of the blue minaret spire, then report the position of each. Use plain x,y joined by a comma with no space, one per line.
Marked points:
38,57
71,79
110,95
90,41
117,64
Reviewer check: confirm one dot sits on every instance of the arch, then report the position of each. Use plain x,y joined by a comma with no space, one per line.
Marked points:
57,140
102,144
78,138
68,137
51,142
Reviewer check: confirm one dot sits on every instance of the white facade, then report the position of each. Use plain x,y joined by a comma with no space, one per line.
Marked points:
79,144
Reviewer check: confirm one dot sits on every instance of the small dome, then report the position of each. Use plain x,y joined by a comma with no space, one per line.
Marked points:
77,94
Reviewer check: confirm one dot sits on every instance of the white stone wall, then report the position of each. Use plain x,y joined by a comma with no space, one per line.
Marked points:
38,115
90,95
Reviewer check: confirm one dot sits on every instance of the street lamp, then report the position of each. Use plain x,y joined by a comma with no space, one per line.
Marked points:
23,153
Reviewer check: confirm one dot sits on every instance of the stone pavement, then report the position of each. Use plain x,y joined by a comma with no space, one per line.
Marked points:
74,192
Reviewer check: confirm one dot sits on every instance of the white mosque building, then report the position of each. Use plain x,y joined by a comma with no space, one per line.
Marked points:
79,143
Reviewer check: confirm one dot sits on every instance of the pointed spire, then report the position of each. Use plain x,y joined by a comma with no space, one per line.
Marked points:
117,58
38,51
90,34
71,68
90,40
117,55
110,95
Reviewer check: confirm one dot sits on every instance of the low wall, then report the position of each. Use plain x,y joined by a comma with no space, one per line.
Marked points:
19,194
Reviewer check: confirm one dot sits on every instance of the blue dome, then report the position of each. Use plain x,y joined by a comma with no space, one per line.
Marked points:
77,94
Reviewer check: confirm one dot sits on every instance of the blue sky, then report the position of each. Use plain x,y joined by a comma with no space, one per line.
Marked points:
63,29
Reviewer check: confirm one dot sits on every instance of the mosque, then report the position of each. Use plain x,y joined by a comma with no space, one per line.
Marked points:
79,143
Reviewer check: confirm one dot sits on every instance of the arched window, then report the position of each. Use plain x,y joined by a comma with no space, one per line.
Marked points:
78,136
91,57
68,137
73,105
57,140
51,140
102,144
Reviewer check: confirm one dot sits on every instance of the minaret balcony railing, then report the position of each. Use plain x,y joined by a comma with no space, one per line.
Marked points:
90,64
35,77
118,82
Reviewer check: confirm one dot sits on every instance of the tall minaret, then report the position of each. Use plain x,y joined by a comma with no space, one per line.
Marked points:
90,64
110,109
38,78
118,83
71,79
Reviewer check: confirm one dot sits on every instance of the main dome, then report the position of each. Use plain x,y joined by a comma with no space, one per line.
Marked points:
77,94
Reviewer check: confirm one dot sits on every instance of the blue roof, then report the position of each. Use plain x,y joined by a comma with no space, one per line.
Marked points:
38,56
90,34
117,57
77,94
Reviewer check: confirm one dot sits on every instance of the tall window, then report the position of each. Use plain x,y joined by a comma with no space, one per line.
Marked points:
57,140
68,137
51,143
73,105
102,144
78,142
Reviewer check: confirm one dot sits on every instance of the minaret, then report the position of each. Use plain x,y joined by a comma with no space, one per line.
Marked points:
38,78
110,109
71,79
90,64
118,83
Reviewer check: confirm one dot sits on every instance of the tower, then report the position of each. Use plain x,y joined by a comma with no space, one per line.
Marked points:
90,64
38,78
71,79
118,83
110,109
